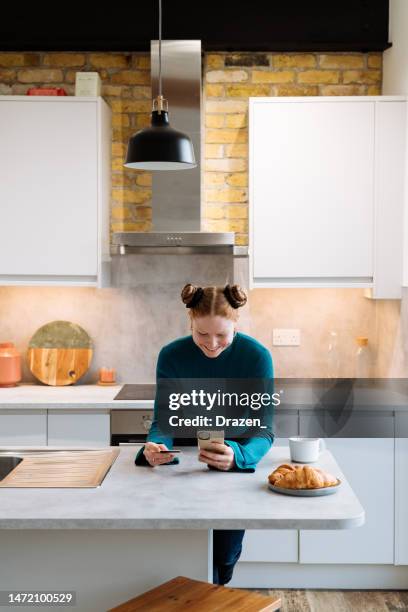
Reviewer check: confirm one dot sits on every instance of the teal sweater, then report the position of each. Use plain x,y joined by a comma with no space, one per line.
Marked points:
244,358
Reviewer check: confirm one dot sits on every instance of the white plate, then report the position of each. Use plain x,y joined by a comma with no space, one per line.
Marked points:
307,492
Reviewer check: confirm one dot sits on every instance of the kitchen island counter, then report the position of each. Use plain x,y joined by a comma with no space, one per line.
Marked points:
144,526
184,496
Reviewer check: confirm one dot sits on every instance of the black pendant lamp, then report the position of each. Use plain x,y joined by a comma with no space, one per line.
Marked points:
160,147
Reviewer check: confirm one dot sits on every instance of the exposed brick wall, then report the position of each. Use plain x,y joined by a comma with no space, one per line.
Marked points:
229,80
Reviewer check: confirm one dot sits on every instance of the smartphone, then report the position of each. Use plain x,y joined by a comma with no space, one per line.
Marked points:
206,437
169,451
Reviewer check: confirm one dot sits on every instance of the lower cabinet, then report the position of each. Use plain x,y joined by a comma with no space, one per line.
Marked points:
78,428
23,427
368,464
401,489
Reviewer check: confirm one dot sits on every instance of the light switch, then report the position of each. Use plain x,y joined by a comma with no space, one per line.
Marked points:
286,337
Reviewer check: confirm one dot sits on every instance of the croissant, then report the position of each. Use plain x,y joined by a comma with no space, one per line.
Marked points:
290,476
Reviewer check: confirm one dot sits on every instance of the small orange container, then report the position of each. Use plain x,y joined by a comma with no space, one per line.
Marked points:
10,365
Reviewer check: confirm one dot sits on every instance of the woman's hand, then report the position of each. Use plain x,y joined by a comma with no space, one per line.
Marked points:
154,457
220,456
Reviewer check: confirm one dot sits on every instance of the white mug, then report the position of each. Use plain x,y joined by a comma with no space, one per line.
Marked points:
305,450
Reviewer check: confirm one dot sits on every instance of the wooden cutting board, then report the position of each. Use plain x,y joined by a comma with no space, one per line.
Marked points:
65,469
59,353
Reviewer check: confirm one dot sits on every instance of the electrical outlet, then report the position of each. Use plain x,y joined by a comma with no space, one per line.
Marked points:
286,337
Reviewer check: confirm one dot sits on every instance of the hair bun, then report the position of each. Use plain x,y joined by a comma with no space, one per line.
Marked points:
235,296
191,295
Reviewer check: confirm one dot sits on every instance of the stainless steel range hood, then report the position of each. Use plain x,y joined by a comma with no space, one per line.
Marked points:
176,201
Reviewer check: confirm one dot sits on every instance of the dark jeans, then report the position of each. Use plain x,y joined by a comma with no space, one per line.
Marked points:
227,547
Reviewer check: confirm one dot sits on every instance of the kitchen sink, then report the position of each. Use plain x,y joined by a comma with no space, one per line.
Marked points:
7,464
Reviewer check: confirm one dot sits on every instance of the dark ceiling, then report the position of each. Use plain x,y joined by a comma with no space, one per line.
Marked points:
222,25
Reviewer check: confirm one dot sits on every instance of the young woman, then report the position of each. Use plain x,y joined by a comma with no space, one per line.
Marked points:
214,350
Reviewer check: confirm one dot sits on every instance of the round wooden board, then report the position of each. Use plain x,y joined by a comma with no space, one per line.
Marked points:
58,366
60,353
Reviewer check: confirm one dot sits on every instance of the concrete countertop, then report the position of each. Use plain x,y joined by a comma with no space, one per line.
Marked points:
184,496
33,396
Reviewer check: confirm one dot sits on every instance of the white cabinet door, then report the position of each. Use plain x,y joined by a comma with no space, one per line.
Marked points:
54,190
401,489
312,189
23,427
368,465
78,428
326,192
48,188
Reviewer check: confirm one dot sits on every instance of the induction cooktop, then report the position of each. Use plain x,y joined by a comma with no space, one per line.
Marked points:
144,391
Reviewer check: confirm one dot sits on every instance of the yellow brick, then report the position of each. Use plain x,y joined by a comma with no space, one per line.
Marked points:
6,90
318,76
214,91
140,226
116,91
131,197
214,121
236,150
109,60
225,165
70,76
214,61
122,180
245,91
226,76
342,90
64,59
119,120
131,77
142,62
237,180
120,213
297,90
238,225
8,60
374,90
122,134
214,212
131,106
214,151
374,60
367,77
237,212
141,92
223,136
117,164
226,195
241,239
226,106
142,212
337,60
214,178
217,225
7,76
236,121
40,76
142,120
295,60
118,149
144,180
264,76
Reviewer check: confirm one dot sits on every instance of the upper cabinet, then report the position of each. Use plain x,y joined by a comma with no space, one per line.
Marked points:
326,192
54,190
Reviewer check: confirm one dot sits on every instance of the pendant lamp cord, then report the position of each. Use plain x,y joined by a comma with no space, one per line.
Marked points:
160,41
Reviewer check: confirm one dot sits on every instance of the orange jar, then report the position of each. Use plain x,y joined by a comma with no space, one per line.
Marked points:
10,365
